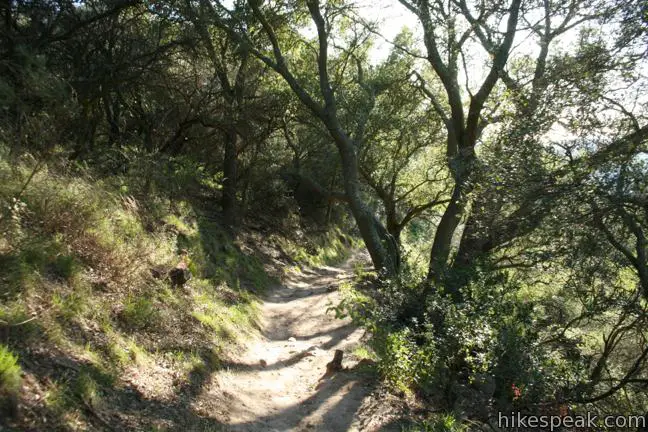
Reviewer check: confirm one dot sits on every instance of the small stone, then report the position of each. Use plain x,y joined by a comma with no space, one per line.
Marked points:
157,273
292,339
263,363
179,276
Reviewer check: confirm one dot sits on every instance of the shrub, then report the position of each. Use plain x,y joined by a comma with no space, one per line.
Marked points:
329,248
70,305
10,379
9,371
139,312
87,389
469,356
64,266
439,423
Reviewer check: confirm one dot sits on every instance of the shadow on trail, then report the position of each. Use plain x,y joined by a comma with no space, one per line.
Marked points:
316,284
337,418
287,295
337,336
121,407
299,338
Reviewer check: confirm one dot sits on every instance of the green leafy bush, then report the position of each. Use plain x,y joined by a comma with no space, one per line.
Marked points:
64,266
477,356
439,423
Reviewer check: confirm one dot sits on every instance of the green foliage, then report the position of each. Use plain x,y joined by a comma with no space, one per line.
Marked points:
330,248
10,372
112,166
489,343
64,266
398,363
87,389
71,304
139,312
82,254
227,321
439,423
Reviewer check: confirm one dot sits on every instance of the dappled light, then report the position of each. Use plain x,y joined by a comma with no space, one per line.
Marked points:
350,215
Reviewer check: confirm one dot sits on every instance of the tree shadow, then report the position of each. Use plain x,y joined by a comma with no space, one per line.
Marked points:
338,417
120,407
336,335
279,331
287,295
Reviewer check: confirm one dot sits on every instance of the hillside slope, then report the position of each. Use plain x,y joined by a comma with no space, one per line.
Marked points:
99,330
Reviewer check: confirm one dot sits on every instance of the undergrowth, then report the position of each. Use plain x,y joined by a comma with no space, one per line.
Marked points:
329,248
10,373
83,285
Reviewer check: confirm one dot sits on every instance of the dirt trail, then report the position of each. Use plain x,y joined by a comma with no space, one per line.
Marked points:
275,386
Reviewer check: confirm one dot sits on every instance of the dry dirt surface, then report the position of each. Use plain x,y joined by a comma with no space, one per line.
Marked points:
279,382
276,381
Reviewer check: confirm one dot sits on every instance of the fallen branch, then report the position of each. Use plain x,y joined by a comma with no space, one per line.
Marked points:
20,323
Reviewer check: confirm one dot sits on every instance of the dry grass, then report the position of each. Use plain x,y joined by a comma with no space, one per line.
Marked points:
89,324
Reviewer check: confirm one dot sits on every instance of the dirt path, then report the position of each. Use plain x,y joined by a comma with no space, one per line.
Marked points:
276,386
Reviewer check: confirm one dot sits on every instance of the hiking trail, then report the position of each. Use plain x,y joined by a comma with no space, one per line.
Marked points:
276,384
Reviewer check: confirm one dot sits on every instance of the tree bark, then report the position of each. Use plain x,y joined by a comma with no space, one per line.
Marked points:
382,247
394,228
230,173
441,247
463,128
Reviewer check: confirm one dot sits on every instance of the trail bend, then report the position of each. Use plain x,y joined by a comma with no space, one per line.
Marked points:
276,382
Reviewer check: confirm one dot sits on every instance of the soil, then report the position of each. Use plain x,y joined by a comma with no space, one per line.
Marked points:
280,382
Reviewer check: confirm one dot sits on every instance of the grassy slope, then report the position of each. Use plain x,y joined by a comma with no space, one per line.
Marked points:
99,338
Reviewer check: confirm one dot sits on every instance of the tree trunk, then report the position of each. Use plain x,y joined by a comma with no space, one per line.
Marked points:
393,227
111,110
473,244
330,203
230,168
381,245
442,244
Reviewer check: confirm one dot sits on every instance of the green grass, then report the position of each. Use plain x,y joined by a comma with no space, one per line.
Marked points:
331,248
87,389
229,323
70,305
80,252
438,423
139,312
364,352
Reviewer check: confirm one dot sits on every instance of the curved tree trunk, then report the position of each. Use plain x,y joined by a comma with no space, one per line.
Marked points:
380,244
442,244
